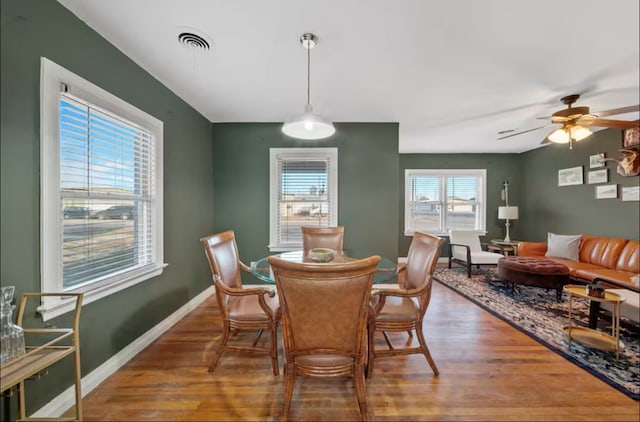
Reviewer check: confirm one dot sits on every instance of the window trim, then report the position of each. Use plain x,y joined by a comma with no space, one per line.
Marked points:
302,153
482,210
52,76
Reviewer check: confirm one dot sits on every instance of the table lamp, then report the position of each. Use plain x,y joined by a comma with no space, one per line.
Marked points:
507,213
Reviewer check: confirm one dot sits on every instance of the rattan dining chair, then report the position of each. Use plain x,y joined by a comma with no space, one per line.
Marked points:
322,237
253,308
403,308
325,308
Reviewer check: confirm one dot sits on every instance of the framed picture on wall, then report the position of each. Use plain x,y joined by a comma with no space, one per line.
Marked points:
570,176
597,176
607,192
595,161
631,137
631,193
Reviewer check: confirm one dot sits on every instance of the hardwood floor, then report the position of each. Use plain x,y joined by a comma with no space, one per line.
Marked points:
489,371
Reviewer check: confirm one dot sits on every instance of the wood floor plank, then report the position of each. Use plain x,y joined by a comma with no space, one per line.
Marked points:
488,371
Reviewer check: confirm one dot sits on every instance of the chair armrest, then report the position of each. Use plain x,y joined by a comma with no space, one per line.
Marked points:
244,267
467,247
246,291
399,292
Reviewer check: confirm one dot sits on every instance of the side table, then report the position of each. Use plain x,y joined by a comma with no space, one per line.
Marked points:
591,337
504,247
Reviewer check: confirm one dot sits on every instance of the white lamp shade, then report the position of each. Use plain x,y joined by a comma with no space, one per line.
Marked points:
559,136
579,132
565,134
308,125
508,213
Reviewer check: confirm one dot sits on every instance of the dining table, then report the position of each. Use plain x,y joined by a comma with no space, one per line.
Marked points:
386,269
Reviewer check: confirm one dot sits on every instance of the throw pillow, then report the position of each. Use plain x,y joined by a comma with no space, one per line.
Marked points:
563,246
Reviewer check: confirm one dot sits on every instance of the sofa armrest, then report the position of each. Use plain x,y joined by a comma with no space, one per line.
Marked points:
532,248
614,284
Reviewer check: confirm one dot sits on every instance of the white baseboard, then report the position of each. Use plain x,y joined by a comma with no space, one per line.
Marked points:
66,399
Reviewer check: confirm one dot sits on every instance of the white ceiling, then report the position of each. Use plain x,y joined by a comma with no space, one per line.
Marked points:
452,72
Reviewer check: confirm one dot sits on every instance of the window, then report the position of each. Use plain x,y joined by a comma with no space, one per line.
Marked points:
101,191
304,192
437,201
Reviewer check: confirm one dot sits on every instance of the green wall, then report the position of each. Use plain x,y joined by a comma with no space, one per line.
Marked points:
575,209
500,167
367,184
234,169
31,29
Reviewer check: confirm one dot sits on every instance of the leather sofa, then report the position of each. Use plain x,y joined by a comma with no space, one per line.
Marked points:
607,258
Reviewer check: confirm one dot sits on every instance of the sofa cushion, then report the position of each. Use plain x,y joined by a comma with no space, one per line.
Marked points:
604,251
563,246
575,266
588,274
629,259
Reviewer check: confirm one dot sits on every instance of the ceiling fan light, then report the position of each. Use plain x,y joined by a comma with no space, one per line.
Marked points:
578,133
560,136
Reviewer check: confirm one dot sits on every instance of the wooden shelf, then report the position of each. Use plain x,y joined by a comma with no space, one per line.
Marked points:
38,358
594,338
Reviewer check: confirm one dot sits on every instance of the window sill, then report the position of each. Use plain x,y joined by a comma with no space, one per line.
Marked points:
278,248
94,293
445,234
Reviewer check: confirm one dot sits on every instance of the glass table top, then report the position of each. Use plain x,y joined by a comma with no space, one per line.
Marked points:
386,270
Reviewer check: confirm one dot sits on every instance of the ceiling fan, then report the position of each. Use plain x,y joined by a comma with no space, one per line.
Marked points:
575,122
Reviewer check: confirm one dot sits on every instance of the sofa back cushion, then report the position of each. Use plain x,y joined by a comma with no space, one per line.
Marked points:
629,259
603,251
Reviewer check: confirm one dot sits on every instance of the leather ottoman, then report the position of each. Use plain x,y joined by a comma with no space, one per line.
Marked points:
536,272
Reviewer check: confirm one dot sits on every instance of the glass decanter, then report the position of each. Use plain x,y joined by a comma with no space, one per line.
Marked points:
11,335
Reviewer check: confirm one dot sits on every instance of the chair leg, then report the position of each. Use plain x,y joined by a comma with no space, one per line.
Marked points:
469,269
274,348
425,351
449,262
410,333
360,392
371,351
288,390
223,343
255,342
388,340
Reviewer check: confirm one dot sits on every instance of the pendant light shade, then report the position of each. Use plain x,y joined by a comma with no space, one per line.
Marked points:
308,125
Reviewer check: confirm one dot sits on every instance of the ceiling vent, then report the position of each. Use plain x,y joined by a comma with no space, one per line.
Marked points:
188,38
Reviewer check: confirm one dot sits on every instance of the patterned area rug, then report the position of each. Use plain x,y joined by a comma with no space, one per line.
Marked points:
535,312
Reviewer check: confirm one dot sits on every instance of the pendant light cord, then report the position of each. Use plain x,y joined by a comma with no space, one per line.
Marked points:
308,73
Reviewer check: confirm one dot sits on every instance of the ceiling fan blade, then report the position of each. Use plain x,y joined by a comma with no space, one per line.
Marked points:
524,131
620,124
621,110
545,141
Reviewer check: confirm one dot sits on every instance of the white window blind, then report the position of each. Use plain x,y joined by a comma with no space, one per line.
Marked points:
437,201
106,186
101,191
304,193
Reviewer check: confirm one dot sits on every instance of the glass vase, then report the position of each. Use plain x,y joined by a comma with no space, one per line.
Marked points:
11,335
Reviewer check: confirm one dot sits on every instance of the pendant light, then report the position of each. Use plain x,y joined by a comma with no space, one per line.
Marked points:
308,125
